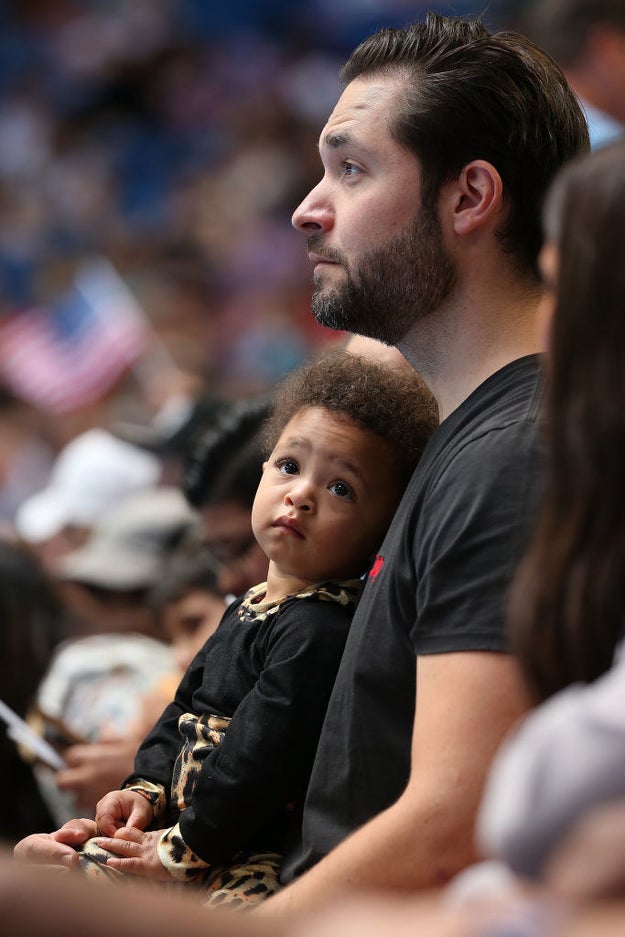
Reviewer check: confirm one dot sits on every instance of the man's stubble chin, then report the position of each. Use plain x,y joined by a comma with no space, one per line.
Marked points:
396,286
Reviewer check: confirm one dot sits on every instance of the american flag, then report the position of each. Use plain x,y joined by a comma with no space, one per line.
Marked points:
69,355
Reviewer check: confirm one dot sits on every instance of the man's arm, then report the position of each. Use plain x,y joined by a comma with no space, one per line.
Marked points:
465,704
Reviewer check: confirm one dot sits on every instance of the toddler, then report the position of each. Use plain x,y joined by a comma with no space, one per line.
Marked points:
220,779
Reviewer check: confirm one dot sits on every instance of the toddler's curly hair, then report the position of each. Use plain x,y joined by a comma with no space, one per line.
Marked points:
393,403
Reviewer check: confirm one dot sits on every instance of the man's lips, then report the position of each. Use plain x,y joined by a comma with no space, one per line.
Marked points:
290,524
317,259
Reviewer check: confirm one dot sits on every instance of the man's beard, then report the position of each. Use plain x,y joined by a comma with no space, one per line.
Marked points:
393,287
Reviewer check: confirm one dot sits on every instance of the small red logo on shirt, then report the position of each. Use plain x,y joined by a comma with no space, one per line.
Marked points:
378,563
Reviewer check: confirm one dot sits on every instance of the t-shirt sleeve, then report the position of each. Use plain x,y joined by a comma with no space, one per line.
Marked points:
266,756
473,528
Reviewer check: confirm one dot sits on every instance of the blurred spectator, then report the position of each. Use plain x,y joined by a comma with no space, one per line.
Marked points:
587,38
172,432
93,473
220,480
186,601
93,691
32,626
188,608
26,458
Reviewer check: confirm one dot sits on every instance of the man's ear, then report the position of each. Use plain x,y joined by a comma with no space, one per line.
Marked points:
478,196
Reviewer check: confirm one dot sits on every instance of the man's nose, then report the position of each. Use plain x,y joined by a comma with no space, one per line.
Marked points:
314,215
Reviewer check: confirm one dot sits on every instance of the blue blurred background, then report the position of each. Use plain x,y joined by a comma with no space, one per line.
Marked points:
173,139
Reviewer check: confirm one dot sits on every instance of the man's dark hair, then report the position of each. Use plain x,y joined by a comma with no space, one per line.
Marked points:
472,95
391,402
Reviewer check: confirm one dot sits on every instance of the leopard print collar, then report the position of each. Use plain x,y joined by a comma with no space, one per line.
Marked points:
253,608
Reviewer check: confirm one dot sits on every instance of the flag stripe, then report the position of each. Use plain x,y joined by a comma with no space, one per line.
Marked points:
69,356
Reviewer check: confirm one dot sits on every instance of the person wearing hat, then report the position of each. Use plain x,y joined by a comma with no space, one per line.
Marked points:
92,473
96,682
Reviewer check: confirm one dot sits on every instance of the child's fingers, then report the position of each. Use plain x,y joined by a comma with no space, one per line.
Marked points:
130,865
130,834
119,846
108,823
139,818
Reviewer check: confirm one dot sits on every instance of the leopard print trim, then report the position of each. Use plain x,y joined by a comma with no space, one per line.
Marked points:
248,880
181,862
154,793
252,608
200,735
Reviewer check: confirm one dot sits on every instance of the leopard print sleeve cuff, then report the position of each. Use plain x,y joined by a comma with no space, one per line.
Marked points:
154,793
181,862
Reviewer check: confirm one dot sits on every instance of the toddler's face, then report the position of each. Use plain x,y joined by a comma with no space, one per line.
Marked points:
327,495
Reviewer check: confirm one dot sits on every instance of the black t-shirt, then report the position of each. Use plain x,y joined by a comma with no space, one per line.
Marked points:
438,586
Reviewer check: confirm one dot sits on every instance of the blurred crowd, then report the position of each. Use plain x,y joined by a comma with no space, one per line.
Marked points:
174,139
169,140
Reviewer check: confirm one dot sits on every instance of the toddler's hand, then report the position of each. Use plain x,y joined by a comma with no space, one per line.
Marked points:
120,809
135,853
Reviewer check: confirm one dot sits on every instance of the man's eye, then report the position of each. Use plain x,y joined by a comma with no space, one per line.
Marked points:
349,169
287,466
342,490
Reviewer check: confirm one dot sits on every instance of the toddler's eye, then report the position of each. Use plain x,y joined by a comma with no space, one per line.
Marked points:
342,490
287,466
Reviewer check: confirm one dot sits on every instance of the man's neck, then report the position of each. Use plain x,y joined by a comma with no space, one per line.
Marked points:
460,346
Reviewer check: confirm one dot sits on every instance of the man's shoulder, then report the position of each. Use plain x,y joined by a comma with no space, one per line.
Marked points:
497,422
510,397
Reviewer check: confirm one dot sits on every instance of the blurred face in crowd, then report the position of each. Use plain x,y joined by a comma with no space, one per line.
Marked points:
229,538
189,622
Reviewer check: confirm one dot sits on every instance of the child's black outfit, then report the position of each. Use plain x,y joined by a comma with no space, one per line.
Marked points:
226,766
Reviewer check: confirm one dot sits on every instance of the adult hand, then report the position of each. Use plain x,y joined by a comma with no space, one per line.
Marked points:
56,848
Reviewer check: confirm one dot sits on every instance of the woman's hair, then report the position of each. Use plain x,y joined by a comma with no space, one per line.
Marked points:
469,95
567,605
393,403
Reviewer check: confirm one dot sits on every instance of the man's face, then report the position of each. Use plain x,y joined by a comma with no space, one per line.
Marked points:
380,263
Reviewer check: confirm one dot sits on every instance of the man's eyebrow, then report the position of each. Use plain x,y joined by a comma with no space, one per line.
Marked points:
335,139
